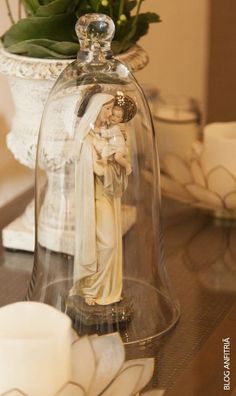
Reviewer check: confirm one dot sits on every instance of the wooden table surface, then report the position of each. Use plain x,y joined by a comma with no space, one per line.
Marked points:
201,261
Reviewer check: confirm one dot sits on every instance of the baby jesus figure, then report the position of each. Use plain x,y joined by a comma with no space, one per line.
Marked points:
115,147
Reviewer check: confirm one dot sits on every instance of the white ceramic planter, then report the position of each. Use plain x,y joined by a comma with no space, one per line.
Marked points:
30,81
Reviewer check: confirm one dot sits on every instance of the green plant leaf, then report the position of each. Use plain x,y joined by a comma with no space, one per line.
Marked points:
151,17
43,2
66,48
143,24
56,7
31,6
95,4
49,29
126,31
116,8
130,5
83,8
56,27
43,48
117,46
128,34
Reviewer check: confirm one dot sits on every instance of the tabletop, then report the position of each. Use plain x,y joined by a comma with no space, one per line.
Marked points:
200,256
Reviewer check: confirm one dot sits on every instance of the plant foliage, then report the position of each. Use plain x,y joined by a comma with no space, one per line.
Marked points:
48,31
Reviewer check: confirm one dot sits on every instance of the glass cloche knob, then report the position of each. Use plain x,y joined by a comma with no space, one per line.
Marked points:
95,30
99,253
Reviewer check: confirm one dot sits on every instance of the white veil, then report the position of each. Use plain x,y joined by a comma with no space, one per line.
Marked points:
85,259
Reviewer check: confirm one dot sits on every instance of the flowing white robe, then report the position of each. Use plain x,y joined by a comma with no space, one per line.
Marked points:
99,276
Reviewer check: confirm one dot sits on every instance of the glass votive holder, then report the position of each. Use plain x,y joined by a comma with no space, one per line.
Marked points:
177,121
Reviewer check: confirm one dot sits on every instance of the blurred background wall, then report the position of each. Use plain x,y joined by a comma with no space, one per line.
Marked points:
221,72
178,47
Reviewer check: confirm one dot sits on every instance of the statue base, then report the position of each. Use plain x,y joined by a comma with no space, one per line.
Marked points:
98,319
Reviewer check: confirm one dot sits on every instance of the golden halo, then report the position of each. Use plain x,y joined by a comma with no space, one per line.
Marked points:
127,104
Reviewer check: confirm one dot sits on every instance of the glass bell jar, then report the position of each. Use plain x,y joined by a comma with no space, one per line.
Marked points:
99,255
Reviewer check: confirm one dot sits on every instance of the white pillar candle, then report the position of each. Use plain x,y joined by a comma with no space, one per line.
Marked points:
177,128
219,148
35,348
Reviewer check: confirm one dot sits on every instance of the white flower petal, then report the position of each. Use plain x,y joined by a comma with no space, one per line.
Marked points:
126,382
221,182
14,392
211,200
71,389
177,169
147,373
174,189
83,363
197,173
110,355
154,392
230,201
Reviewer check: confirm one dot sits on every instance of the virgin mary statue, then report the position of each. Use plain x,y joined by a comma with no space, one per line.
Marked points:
98,233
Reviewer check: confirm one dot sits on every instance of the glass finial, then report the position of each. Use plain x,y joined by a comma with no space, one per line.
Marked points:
95,31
